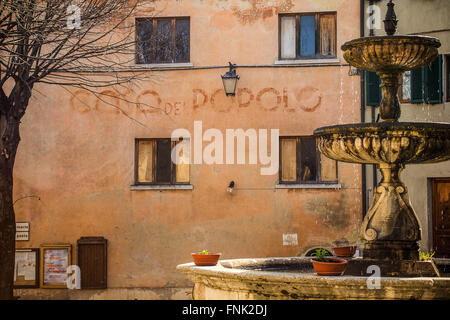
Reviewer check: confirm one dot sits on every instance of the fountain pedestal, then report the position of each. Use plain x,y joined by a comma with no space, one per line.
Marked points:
391,228
391,231
393,268
391,250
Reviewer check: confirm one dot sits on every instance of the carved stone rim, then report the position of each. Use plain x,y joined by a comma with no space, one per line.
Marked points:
429,41
370,127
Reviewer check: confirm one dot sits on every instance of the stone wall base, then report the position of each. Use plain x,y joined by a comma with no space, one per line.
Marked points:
106,294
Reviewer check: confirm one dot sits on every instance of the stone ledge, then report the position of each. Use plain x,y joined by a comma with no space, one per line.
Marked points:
309,186
173,293
307,61
162,187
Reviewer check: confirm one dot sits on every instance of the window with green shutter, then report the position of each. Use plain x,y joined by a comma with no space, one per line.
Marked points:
433,81
426,83
373,90
417,85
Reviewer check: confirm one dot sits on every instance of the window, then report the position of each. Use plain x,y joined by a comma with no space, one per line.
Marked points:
162,40
426,83
154,161
301,162
422,85
307,36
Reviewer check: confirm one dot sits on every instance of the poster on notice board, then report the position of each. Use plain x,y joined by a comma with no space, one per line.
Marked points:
55,260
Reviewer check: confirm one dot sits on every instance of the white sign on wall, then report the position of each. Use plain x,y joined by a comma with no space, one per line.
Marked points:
290,239
22,231
22,236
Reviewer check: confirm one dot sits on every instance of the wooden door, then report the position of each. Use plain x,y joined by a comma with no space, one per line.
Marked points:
441,217
92,260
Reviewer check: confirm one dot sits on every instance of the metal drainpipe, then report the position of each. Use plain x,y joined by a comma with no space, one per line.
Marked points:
363,116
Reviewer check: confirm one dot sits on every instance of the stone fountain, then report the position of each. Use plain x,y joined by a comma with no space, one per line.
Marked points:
390,229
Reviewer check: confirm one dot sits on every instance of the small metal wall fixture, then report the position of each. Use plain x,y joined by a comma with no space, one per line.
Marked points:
230,80
230,187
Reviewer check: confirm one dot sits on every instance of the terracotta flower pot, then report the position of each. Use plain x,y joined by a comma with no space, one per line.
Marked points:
210,259
330,267
344,251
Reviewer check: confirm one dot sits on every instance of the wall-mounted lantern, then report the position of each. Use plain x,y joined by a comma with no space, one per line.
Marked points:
230,80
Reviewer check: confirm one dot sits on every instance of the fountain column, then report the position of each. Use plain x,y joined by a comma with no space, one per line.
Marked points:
391,228
390,106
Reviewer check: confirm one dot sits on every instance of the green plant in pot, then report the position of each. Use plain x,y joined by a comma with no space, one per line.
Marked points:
205,258
324,265
426,256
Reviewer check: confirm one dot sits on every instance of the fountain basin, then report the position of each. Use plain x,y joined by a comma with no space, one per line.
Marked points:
390,227
390,53
293,278
386,142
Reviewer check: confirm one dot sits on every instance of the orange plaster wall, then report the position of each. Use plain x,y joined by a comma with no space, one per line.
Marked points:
77,153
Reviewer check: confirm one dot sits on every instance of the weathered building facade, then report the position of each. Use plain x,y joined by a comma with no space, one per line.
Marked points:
102,168
424,97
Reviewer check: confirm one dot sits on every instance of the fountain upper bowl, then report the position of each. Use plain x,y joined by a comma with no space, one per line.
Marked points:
391,53
386,142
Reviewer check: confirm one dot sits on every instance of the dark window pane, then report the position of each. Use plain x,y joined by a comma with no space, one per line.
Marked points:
308,159
433,83
163,161
144,32
182,39
417,78
373,90
307,36
164,48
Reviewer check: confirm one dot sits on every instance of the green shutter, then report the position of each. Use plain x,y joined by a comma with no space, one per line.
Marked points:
373,90
433,81
417,80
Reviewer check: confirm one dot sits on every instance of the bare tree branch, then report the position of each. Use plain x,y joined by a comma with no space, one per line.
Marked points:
36,44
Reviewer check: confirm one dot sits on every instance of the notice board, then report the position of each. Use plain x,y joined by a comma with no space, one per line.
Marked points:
55,259
26,268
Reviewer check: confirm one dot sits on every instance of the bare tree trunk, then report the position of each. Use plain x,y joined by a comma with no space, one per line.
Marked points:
7,232
9,142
